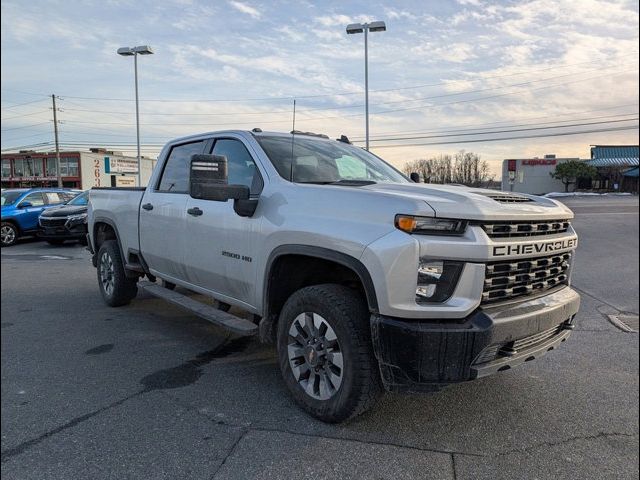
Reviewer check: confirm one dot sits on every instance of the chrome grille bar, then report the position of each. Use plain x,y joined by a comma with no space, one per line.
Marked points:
525,229
506,280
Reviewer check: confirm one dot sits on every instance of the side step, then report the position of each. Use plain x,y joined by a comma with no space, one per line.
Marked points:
235,324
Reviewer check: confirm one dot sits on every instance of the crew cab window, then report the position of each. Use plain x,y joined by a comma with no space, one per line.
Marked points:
35,199
241,168
175,176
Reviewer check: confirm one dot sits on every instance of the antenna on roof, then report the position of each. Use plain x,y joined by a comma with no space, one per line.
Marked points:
293,136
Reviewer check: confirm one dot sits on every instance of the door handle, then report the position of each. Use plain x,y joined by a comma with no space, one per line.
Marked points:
147,206
195,211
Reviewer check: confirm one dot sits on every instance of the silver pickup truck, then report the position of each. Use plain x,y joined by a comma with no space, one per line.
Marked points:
364,280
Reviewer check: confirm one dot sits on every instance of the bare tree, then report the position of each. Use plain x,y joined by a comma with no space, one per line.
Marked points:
465,167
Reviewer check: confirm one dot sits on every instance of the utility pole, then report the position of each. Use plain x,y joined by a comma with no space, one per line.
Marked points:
55,130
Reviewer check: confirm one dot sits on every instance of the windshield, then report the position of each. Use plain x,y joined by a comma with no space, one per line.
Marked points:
322,161
9,198
81,199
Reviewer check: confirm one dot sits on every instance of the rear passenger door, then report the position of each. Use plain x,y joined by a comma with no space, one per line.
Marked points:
162,214
221,244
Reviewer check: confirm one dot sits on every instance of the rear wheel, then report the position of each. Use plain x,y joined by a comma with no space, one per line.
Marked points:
325,352
8,234
117,289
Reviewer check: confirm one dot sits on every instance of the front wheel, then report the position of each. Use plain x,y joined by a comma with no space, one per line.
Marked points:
8,234
117,289
325,352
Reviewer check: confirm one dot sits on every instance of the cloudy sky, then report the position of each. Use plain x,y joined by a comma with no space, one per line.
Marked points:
443,72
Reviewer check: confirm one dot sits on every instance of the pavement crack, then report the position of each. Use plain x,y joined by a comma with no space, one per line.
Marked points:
24,446
562,442
584,292
453,466
230,452
249,427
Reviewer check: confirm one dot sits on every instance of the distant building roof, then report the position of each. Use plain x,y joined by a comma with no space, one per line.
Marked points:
614,151
614,156
613,162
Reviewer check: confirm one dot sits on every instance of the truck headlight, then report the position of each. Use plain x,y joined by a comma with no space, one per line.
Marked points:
430,225
436,280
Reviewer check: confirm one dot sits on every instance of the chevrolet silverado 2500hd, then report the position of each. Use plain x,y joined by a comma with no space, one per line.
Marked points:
364,280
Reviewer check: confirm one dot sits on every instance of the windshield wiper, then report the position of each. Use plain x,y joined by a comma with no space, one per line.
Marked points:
347,182
353,182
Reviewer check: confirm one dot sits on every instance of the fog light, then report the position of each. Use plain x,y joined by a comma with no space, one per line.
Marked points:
436,280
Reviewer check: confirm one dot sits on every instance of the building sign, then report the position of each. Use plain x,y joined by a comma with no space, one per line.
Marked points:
539,161
125,182
120,165
32,178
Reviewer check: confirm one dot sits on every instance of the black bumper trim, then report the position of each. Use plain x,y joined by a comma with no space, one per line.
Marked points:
419,355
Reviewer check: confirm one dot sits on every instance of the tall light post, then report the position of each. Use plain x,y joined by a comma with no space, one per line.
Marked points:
128,52
366,28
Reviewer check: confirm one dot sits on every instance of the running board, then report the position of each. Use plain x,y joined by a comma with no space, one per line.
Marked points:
235,324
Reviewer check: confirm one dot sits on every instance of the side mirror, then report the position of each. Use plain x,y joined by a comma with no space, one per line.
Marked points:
415,177
26,205
208,180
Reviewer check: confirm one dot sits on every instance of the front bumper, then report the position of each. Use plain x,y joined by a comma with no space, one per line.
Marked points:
73,232
419,355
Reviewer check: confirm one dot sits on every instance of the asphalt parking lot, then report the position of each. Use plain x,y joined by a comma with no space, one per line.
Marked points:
148,391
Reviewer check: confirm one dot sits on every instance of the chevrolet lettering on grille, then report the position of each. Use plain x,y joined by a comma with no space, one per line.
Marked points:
533,248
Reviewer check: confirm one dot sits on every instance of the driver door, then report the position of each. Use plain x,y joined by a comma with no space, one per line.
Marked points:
221,244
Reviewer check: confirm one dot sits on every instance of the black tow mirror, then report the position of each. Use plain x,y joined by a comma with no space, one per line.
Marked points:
209,180
415,177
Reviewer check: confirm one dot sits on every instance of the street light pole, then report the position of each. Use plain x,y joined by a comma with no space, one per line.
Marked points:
366,28
135,68
128,52
366,86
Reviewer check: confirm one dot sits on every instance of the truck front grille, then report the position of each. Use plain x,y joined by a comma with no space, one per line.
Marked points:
506,280
525,229
53,221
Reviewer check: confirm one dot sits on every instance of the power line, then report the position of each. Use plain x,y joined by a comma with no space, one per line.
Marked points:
518,137
23,126
359,92
396,139
342,107
25,115
510,120
14,105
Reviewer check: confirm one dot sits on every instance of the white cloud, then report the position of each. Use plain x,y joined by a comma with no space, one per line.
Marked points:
244,8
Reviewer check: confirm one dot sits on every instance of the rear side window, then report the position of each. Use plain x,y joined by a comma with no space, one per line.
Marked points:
240,165
175,176
35,199
53,198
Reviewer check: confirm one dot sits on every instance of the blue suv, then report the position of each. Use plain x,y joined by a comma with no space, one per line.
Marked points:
21,208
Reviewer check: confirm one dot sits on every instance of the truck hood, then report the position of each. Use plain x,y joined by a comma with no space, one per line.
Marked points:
452,201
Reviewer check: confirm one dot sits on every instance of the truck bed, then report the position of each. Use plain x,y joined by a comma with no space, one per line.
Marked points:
120,207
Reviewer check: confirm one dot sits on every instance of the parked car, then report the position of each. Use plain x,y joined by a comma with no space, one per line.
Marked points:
364,280
66,222
21,208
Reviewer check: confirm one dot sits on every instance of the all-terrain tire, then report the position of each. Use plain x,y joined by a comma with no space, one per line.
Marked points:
346,313
116,288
